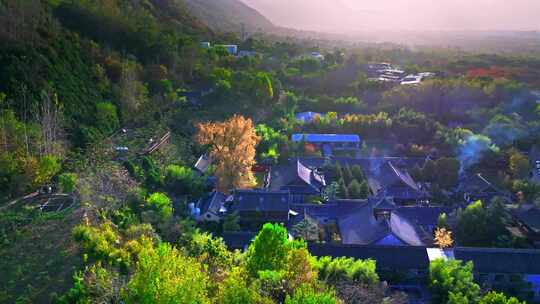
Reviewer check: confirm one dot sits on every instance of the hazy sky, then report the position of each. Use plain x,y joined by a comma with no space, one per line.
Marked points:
357,15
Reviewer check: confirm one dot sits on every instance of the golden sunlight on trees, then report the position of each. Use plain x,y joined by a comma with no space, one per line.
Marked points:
232,150
443,238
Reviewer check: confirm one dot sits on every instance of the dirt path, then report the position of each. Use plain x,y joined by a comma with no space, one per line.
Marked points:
15,201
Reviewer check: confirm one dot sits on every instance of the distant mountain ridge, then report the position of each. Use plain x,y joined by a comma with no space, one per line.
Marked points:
228,15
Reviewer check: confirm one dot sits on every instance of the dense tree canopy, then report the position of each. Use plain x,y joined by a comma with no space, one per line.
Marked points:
451,280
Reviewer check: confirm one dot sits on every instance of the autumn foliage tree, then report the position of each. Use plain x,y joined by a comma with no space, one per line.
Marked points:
443,238
232,150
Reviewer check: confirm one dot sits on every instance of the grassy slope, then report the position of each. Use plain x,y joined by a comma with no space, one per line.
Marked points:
40,261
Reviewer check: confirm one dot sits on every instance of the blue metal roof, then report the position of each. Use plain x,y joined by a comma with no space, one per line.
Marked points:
326,138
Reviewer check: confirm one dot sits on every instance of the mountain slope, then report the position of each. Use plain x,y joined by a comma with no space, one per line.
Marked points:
228,15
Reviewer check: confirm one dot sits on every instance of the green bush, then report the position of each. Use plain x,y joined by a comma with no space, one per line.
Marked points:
333,270
269,249
165,275
67,182
305,295
182,180
160,203
452,279
498,298
107,117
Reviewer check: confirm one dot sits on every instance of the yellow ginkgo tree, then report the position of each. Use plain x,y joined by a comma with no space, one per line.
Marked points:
443,238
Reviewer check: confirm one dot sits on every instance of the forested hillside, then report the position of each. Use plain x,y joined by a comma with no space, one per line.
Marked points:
68,79
229,15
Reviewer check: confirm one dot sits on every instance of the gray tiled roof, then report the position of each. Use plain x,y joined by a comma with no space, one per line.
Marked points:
357,224
287,174
360,227
385,203
238,240
386,257
424,216
391,176
501,260
258,200
530,217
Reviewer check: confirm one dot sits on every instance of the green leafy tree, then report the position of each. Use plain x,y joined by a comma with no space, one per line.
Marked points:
236,290
355,189
519,165
334,270
458,298
182,180
231,222
67,182
442,221
272,284
9,170
347,174
263,87
107,117
331,191
272,141
95,284
308,229
337,172
300,270
342,191
498,298
447,172
479,226
306,295
153,179
269,249
48,166
450,280
429,171
160,203
364,189
527,191
165,275
357,173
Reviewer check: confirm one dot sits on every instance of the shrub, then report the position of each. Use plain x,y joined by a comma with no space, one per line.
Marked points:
67,182
160,203
165,275
452,279
269,249
182,180
106,117
305,295
338,269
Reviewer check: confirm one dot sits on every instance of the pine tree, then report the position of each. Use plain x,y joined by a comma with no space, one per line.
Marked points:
355,189
357,173
342,192
364,189
347,174
337,172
